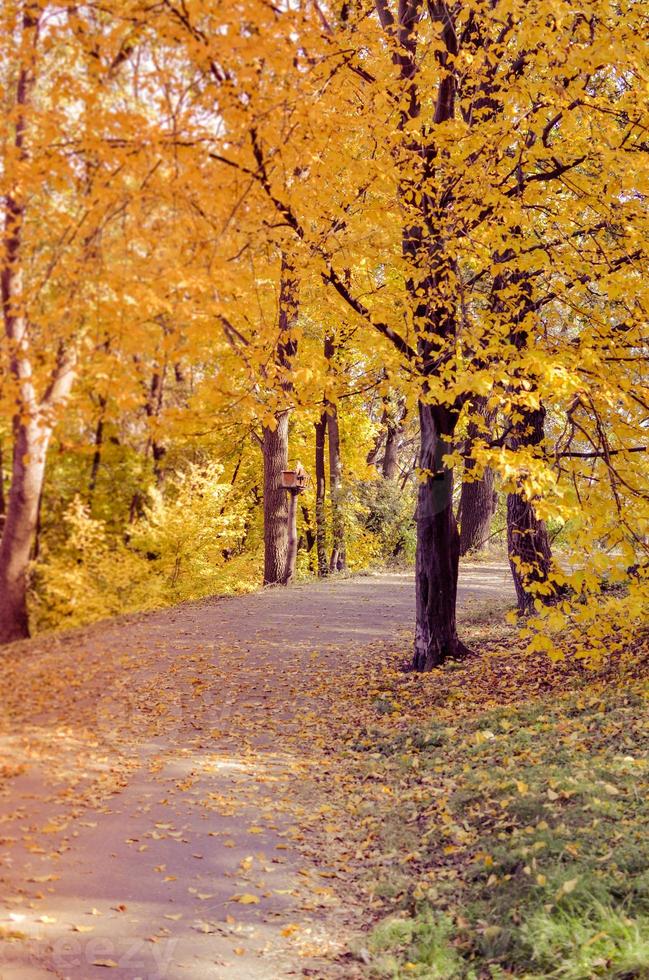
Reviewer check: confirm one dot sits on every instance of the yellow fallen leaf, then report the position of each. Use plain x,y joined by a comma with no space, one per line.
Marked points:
107,963
82,928
245,899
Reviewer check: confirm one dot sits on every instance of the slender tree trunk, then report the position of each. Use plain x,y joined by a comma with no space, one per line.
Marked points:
291,551
275,441
438,544
530,555
478,499
393,417
275,453
338,559
3,503
99,442
309,536
390,466
320,495
153,408
34,419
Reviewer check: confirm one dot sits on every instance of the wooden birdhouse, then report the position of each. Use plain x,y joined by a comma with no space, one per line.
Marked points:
294,479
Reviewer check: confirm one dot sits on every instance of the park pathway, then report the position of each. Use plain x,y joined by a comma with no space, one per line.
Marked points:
154,789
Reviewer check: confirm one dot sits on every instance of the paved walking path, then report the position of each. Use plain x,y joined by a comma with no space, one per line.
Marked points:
150,815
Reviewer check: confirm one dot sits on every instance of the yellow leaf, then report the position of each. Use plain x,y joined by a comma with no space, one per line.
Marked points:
245,899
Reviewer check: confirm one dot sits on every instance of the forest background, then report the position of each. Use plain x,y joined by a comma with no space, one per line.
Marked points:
403,245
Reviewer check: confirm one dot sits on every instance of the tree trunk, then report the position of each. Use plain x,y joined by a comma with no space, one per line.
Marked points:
338,560
34,419
320,495
275,453
275,441
30,446
477,507
96,456
153,408
3,503
390,467
530,555
291,550
438,544
478,499
309,536
393,416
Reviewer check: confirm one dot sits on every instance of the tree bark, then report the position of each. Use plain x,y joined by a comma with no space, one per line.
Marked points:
3,503
478,499
528,545
477,507
438,545
153,408
275,441
393,417
30,447
34,419
291,551
99,442
338,558
320,495
275,453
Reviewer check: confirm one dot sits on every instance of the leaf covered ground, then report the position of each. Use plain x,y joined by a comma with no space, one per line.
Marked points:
251,788
499,813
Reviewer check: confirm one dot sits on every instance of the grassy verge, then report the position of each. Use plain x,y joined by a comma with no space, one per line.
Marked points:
501,817
532,856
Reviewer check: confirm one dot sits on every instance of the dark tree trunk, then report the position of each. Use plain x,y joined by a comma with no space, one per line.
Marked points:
320,495
478,499
438,544
338,559
309,536
153,409
530,555
275,452
96,456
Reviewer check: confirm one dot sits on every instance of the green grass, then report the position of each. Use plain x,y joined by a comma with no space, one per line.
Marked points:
529,827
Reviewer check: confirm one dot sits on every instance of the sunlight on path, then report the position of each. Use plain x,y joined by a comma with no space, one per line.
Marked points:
156,792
